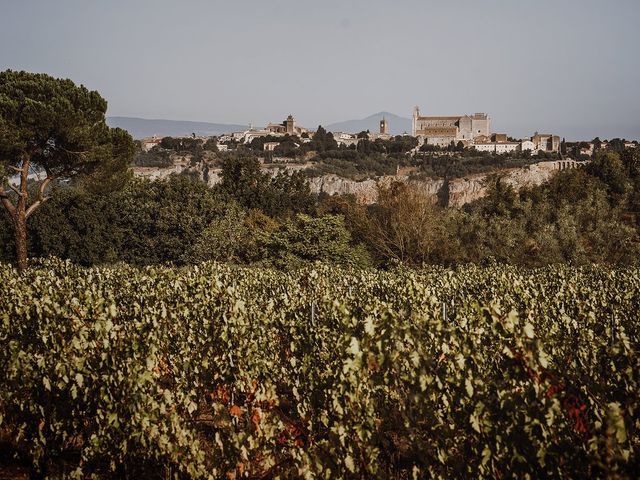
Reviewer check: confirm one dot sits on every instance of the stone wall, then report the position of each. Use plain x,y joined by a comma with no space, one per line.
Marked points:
480,126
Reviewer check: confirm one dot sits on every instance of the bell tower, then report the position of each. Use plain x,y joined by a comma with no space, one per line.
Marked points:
290,124
414,123
384,126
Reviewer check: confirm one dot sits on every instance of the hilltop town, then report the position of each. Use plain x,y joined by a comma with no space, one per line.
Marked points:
459,131
267,278
456,151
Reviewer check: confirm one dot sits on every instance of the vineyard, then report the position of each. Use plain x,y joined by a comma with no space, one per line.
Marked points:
230,373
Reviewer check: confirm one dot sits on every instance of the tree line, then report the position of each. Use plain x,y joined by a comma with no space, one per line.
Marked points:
588,214
66,172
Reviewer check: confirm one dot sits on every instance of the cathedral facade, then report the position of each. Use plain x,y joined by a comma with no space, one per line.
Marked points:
442,131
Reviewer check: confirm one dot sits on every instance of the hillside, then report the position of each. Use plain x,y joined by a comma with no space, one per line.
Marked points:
397,125
143,127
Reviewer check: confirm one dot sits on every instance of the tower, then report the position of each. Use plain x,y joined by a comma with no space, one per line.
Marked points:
289,124
414,123
384,126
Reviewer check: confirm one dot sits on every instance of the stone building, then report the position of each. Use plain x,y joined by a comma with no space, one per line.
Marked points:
149,143
287,127
346,139
442,131
384,127
499,144
270,146
527,145
546,142
496,147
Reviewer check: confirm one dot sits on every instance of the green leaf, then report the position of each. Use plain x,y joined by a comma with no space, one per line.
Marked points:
348,462
528,330
468,387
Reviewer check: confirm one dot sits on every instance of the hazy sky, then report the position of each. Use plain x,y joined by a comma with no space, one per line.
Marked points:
570,67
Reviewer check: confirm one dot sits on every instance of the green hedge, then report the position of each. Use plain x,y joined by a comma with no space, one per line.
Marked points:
221,372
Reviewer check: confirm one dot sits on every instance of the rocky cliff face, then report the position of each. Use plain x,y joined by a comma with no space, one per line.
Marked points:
460,190
365,191
466,190
456,192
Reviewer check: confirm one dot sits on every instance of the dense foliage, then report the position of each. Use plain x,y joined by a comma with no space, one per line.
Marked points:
355,165
580,216
469,163
219,372
53,130
590,214
276,195
308,365
156,157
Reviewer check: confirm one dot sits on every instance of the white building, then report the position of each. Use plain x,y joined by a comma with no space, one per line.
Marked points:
527,145
238,135
149,143
347,139
496,147
250,135
507,147
484,147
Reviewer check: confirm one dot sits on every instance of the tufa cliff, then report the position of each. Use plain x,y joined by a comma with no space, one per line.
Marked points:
455,192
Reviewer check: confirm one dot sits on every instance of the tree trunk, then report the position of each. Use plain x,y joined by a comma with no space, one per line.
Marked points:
20,238
20,216
19,212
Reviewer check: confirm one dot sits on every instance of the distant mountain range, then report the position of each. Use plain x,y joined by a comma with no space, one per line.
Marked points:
397,125
143,127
